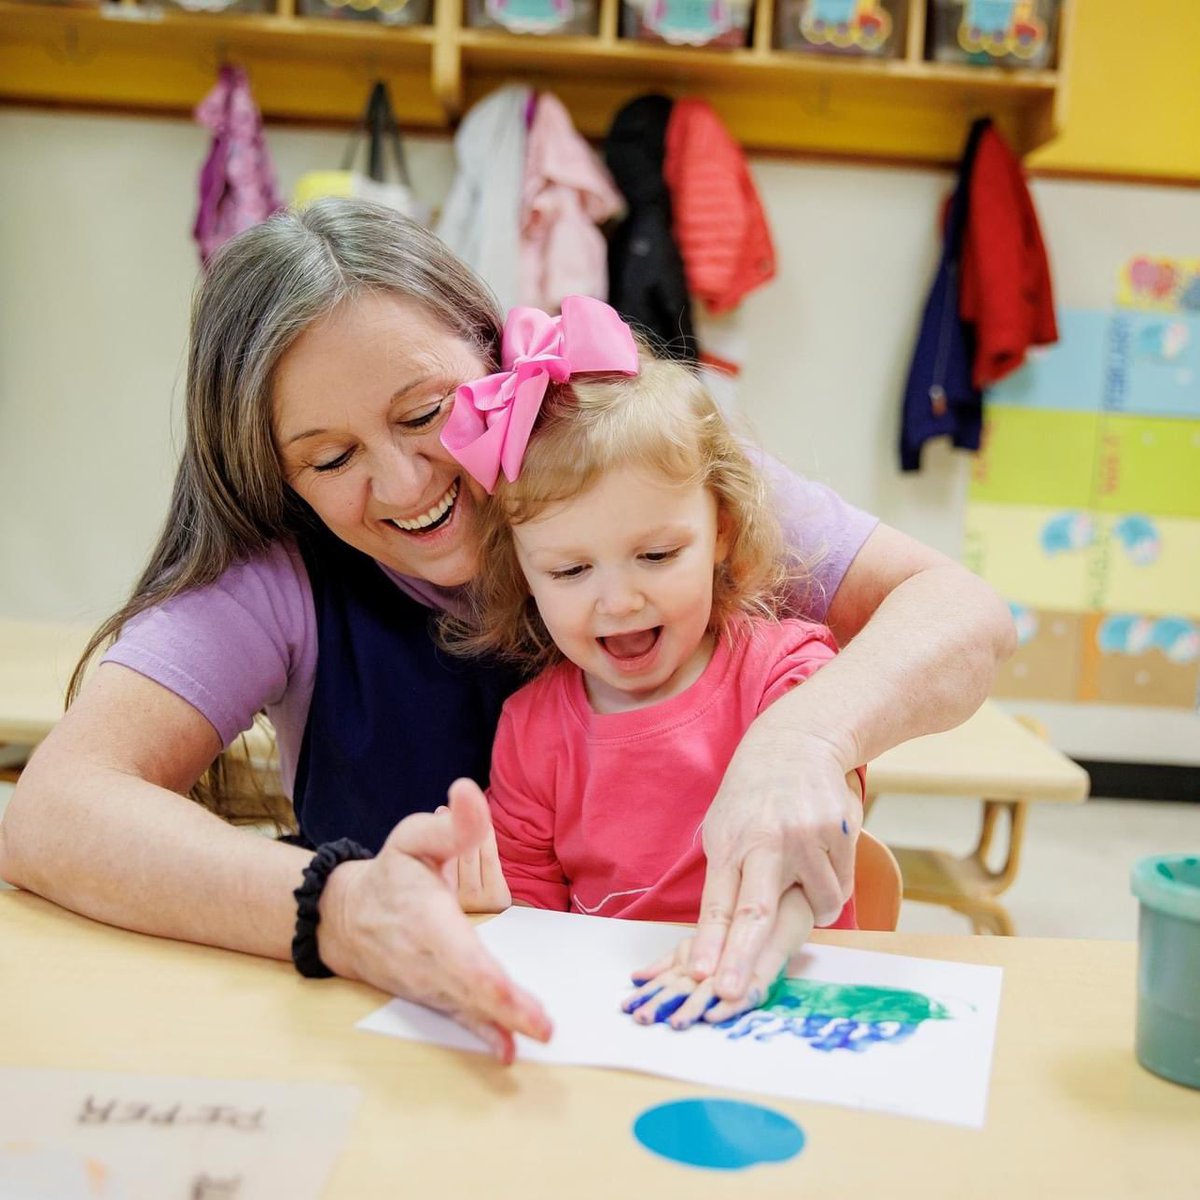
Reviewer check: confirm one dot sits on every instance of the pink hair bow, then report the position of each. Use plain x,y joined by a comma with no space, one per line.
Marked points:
492,418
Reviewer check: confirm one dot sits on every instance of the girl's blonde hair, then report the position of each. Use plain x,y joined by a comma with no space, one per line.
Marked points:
664,420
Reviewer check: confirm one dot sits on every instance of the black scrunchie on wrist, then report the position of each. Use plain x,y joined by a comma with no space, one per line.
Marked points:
308,899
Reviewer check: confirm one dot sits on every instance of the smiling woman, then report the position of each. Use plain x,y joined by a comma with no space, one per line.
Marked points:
371,466
317,525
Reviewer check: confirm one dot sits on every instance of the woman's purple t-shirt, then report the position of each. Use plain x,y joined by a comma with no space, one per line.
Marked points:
249,641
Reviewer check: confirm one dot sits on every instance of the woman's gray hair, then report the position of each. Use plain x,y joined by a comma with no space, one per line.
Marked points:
263,289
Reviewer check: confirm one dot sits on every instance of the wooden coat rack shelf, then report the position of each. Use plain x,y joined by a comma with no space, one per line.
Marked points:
129,57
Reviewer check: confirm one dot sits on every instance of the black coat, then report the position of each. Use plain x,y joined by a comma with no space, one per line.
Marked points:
646,284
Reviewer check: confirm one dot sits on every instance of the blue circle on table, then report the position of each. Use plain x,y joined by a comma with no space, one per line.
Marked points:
720,1135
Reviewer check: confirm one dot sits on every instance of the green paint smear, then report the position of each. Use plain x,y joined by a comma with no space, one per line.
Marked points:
855,1002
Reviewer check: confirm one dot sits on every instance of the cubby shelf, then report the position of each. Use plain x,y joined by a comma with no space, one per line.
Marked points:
128,57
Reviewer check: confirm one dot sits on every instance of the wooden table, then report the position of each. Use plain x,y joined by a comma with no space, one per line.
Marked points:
1071,1113
990,754
999,759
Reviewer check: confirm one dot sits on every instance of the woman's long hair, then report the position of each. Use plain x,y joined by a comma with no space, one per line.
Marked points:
263,289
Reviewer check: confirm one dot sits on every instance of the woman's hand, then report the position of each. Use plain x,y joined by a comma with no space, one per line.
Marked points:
393,922
668,991
780,819
476,877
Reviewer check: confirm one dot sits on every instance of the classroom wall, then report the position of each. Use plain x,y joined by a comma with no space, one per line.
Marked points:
96,267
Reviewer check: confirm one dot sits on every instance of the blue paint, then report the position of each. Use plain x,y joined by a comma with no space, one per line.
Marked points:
820,1031
636,1002
719,1135
668,1008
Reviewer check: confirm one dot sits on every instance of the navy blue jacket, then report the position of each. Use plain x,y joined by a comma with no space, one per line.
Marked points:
939,398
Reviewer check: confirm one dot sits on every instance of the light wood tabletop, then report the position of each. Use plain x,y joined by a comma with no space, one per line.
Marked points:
1071,1114
990,755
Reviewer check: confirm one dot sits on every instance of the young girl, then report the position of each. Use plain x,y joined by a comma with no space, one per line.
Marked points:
631,558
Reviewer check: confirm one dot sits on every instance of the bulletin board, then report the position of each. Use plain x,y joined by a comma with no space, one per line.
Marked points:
1084,503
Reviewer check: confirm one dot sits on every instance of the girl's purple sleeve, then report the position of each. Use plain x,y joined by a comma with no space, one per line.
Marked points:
821,532
242,644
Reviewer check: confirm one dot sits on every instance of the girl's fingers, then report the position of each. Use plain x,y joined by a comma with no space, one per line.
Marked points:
677,958
661,1007
636,999
723,1010
695,1006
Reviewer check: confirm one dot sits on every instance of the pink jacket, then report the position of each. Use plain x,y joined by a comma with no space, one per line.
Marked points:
566,193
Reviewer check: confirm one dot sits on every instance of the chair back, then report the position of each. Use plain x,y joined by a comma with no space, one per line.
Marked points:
878,886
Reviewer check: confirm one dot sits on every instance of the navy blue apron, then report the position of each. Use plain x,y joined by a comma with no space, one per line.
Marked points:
394,719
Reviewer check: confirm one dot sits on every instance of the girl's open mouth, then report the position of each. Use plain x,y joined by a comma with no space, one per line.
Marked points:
630,648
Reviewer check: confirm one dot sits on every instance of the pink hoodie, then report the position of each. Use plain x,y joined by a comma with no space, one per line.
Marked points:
565,194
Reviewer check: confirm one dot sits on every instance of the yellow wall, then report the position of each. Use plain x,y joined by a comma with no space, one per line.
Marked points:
1133,98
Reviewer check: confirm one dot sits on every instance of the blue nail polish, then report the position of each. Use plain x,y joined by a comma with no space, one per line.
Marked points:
845,827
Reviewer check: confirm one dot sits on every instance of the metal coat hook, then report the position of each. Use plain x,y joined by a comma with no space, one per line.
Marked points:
69,47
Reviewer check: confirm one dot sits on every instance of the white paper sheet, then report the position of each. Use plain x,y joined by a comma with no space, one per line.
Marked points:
579,967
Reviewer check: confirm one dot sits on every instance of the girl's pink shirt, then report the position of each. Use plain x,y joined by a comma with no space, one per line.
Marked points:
600,813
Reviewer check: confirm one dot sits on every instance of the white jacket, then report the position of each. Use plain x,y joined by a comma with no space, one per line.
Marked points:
481,219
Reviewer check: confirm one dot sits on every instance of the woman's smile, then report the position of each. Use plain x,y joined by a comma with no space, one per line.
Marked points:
440,514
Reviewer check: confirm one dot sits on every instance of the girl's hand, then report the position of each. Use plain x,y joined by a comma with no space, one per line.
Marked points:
393,922
779,820
476,876
670,992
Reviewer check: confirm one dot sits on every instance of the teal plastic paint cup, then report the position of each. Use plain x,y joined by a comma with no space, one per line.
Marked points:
1168,1015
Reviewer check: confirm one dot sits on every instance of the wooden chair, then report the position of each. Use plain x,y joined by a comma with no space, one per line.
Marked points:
970,884
878,886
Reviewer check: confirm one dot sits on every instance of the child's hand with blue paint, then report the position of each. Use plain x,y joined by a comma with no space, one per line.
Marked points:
476,876
667,990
